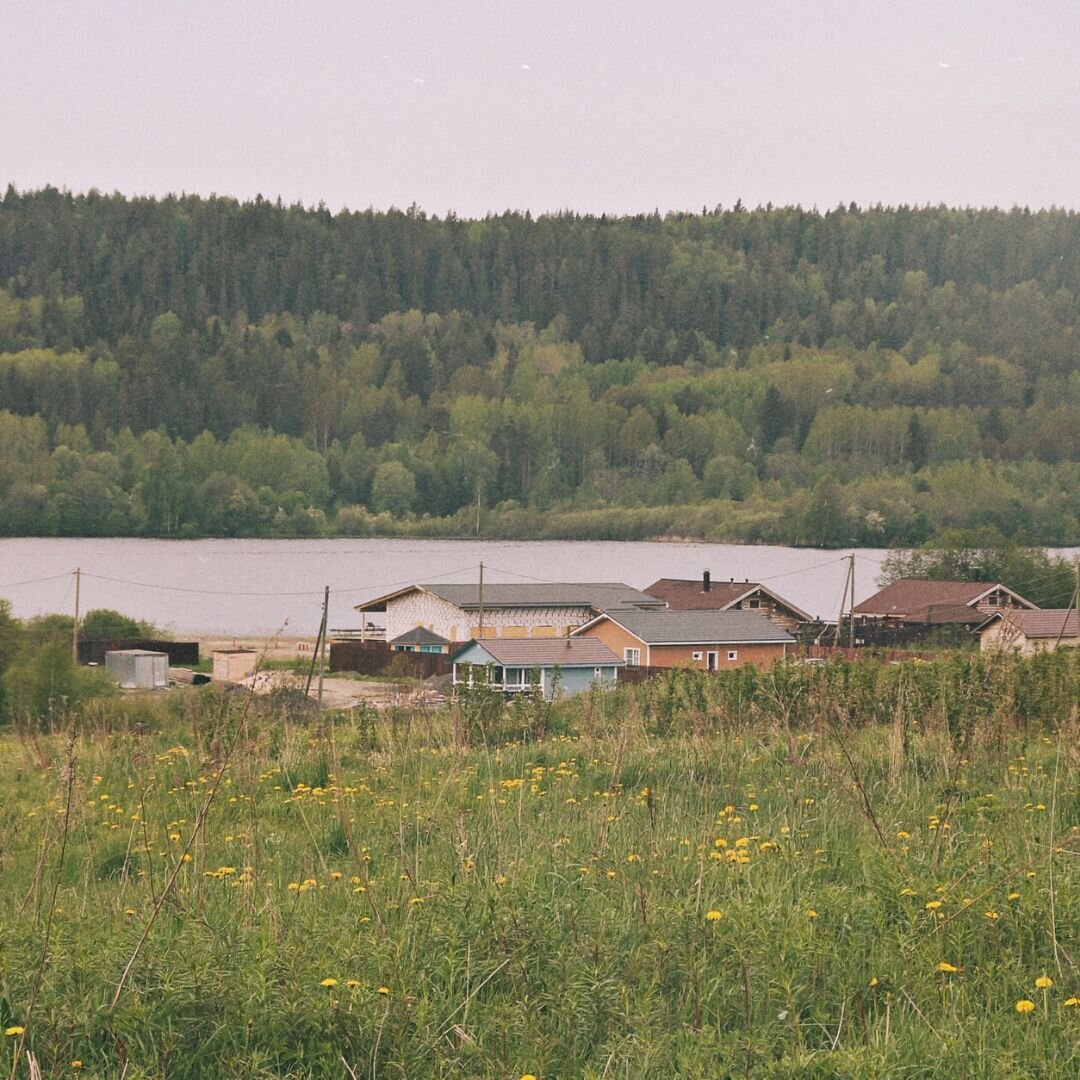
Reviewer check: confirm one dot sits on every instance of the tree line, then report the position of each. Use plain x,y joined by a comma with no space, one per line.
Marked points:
187,366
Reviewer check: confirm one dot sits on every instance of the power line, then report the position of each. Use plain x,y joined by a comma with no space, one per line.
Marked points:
37,581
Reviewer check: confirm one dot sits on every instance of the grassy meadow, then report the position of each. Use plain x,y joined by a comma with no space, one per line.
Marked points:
855,871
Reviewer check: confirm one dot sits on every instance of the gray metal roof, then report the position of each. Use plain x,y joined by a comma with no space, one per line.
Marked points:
598,595
419,635
546,652
699,627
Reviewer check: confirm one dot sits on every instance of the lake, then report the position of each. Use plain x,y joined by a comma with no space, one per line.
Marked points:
260,587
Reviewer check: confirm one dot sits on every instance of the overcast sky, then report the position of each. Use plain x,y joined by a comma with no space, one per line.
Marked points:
594,105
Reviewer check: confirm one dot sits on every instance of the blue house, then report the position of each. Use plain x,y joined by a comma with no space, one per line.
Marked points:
546,666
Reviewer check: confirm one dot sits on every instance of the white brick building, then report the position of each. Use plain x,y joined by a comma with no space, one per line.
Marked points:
509,611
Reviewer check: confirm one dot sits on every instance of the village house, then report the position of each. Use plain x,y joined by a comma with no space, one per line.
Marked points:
938,603
710,640
550,667
420,639
1029,632
682,594
460,613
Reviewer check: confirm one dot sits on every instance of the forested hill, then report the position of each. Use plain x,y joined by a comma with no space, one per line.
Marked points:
190,366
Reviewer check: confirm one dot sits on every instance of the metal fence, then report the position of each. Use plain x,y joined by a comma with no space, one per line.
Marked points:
183,653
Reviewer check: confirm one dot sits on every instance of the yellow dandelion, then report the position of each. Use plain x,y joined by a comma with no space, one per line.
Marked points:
328,982
76,1064
714,915
992,915
1071,1002
528,1076
14,1030
947,968
1013,896
1025,1006
1044,982
384,990
811,913
874,981
352,983
933,905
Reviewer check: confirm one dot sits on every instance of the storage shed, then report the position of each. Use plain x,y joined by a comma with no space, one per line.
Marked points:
138,669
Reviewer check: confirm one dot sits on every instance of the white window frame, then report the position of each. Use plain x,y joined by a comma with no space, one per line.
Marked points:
733,654
632,656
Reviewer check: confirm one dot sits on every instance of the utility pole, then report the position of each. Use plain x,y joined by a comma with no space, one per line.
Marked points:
480,628
75,628
851,637
322,634
320,641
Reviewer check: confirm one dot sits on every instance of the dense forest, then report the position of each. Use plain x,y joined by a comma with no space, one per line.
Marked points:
200,366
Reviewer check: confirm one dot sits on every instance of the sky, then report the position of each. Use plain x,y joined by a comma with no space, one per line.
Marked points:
617,106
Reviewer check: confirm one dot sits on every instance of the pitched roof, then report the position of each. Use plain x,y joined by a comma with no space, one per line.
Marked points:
1044,623
597,595
689,595
696,627
906,595
420,635
545,652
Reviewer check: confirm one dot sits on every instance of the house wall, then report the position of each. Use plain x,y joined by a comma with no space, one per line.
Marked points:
441,617
998,600
762,656
1002,636
774,612
618,640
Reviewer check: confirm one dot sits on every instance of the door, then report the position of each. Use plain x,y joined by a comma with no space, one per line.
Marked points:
711,659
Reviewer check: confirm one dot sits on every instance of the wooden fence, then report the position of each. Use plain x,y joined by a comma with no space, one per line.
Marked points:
376,657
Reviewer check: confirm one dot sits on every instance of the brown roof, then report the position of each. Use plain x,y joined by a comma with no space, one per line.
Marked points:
908,595
937,614
1046,623
689,595
566,652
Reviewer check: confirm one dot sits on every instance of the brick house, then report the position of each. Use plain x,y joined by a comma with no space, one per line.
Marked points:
454,612
710,640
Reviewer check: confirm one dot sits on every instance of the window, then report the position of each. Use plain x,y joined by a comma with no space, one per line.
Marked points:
753,603
733,654
632,657
697,655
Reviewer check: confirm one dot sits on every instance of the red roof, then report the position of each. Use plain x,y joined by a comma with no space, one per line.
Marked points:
690,595
567,651
909,595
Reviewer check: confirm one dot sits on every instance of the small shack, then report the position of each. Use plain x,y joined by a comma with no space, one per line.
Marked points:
232,665
138,669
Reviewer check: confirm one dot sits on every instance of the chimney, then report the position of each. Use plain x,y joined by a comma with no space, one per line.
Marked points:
706,581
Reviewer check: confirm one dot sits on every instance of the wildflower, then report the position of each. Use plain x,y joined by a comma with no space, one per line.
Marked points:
947,968
1025,1006
874,981
633,857
811,913
328,982
528,1076
1013,896
352,983
76,1064
384,990
1070,1002
992,915
713,916
14,1030
933,905
417,900
1044,982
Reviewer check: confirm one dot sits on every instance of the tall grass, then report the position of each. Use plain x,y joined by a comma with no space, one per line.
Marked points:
857,872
